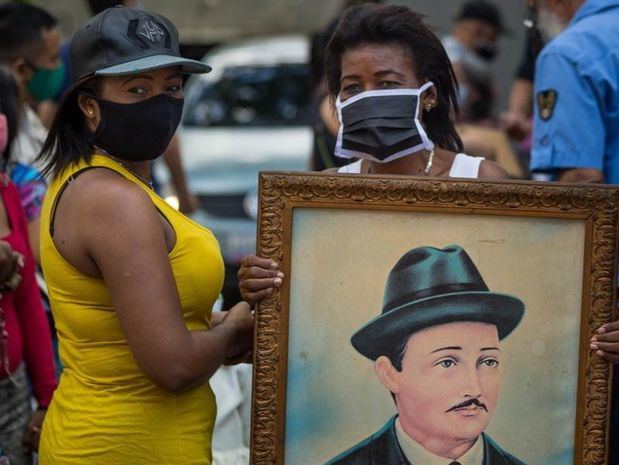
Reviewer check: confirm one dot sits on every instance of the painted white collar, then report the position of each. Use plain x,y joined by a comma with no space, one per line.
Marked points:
416,454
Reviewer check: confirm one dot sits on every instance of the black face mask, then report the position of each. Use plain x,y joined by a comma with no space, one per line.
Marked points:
486,51
138,131
381,125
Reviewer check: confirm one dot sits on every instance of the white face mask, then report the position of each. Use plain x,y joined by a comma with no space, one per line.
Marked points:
382,125
549,24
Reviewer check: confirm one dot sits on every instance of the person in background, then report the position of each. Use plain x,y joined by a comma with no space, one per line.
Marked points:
132,281
472,48
517,120
576,121
25,339
576,116
30,41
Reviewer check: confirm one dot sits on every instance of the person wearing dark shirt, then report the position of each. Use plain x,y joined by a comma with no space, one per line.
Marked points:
516,121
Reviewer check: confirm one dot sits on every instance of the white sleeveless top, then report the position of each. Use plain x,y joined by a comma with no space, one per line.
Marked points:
464,166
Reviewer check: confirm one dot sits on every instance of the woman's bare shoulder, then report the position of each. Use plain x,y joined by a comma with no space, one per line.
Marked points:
492,170
102,191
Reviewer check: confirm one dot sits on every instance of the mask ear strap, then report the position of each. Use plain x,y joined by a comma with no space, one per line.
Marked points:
338,108
419,93
425,87
340,132
429,145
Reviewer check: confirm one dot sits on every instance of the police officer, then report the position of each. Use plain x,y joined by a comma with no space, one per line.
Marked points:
576,121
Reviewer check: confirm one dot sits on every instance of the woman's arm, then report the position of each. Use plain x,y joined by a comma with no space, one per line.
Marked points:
517,120
187,202
121,231
34,325
38,352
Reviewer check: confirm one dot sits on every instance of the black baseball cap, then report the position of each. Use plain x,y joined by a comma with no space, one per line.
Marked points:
122,41
484,11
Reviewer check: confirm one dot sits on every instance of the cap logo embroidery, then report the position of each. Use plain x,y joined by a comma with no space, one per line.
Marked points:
151,31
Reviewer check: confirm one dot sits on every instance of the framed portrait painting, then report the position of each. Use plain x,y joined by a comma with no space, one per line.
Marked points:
433,321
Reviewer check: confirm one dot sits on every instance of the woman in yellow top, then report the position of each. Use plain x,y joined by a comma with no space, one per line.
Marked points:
131,280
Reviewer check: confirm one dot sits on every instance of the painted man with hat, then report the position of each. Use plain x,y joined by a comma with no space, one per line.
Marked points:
436,347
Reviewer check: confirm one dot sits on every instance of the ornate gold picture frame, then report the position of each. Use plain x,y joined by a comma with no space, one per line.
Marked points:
336,237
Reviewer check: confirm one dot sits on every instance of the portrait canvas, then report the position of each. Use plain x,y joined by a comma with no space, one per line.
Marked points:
338,399
414,329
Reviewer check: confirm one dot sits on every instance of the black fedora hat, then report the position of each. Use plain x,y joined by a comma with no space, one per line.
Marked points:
429,287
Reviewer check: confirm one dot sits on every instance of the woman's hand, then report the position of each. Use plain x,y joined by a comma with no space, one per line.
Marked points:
258,277
6,261
243,320
606,342
32,436
218,318
245,357
14,280
11,264
517,125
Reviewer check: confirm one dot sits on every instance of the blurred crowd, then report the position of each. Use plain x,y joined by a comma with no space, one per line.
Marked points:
561,124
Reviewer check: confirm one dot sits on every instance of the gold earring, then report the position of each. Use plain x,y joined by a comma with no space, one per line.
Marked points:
429,106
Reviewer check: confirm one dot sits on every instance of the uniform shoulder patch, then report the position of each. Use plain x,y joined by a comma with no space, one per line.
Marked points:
546,102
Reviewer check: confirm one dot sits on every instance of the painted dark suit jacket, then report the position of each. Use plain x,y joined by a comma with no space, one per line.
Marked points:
382,448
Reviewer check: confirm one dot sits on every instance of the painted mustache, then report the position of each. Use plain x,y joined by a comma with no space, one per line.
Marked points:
468,403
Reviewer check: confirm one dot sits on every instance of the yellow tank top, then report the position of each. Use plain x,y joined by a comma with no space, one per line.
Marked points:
105,410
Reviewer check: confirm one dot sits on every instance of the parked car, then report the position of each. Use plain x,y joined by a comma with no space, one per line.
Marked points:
250,114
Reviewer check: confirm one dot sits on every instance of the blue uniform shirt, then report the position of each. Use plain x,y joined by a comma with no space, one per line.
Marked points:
576,115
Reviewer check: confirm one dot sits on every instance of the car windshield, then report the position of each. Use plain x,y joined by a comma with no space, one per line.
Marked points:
250,96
